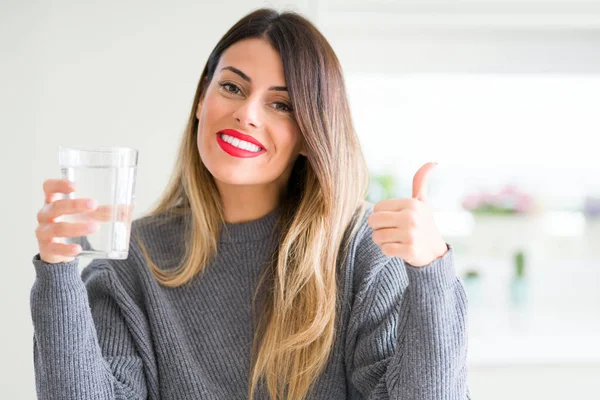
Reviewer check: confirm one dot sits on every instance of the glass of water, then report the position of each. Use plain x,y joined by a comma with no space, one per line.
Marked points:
107,175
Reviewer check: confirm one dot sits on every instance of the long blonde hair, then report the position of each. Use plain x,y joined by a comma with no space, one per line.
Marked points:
296,332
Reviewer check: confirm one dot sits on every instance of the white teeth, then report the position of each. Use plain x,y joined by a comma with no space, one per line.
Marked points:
241,144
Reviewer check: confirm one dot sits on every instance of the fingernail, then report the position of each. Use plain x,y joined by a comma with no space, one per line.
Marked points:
91,203
92,227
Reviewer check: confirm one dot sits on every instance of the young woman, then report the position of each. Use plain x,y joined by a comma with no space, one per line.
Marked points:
261,273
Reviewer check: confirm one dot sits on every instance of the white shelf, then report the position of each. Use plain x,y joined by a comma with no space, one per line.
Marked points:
515,338
549,235
559,323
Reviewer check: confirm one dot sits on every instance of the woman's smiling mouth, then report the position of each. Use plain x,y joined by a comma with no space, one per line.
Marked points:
239,145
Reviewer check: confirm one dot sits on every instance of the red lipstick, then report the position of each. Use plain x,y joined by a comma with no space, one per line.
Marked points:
235,151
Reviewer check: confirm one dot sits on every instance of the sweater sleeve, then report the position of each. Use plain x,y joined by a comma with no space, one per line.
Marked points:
83,348
407,335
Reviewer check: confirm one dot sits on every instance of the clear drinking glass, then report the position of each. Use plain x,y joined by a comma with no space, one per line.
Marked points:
107,175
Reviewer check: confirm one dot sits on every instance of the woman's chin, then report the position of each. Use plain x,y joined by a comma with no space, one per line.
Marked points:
236,176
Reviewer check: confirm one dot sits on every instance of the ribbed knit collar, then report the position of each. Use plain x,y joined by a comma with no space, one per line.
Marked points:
250,231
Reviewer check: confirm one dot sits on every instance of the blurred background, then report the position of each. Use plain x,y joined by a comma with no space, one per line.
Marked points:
503,94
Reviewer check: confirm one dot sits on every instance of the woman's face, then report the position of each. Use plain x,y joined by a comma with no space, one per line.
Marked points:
247,134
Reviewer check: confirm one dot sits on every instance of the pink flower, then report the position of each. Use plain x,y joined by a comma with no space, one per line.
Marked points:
524,203
471,202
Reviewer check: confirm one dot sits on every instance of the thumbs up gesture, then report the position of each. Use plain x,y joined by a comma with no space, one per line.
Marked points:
405,228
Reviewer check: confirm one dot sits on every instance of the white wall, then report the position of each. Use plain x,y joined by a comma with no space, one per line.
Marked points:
124,73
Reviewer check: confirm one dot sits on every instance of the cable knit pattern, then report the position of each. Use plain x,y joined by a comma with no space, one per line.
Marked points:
112,332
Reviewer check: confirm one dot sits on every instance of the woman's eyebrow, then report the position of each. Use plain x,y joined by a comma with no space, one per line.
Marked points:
247,78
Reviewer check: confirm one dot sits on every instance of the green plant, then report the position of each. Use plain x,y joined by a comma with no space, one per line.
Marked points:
382,187
471,274
520,264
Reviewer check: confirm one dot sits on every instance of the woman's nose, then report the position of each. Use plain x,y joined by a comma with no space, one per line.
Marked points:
249,114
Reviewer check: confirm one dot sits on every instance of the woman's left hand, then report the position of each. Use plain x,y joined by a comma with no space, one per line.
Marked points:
405,228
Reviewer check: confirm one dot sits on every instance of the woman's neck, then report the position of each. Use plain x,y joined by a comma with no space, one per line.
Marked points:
248,203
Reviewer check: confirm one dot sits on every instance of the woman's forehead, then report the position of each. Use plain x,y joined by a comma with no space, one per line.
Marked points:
256,59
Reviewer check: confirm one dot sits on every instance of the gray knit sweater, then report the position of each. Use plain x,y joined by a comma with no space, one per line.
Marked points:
114,333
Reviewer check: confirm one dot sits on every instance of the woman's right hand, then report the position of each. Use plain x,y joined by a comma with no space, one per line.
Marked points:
48,231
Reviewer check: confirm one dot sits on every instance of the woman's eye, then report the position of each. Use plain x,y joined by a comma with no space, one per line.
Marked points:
230,88
279,106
